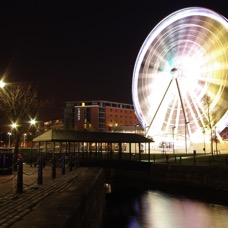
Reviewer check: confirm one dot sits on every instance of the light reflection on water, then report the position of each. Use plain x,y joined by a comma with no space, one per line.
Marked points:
158,210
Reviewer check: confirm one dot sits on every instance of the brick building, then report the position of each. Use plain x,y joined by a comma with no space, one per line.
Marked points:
101,116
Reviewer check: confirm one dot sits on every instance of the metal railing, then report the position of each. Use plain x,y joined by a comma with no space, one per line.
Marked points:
66,162
35,175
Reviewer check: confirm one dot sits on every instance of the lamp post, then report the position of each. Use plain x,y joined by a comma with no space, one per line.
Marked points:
25,139
173,139
136,126
14,126
9,133
186,147
32,129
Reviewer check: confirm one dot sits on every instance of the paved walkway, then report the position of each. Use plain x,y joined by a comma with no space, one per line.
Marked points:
14,206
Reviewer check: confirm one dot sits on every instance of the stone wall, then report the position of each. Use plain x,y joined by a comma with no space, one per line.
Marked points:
188,178
212,177
79,205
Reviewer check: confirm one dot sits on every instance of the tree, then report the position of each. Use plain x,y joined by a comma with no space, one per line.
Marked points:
211,119
20,103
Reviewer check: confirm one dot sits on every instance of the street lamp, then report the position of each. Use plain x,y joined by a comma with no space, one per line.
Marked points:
2,84
32,121
116,125
173,139
14,126
24,139
136,126
9,133
186,147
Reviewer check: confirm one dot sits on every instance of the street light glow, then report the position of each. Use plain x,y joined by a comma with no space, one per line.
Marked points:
32,122
2,84
14,125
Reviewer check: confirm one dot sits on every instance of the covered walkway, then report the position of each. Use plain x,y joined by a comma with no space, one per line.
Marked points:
93,144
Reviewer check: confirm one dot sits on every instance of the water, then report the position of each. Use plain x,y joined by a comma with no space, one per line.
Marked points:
158,209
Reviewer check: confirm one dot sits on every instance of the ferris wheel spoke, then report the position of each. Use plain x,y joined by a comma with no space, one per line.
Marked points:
159,105
181,100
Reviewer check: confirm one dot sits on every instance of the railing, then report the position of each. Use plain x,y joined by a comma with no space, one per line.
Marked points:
13,182
70,161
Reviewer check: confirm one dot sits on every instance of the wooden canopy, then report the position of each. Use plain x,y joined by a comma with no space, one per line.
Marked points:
55,135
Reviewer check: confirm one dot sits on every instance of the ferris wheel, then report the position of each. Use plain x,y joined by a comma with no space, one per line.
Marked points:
180,78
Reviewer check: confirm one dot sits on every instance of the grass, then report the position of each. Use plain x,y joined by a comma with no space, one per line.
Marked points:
189,159
178,158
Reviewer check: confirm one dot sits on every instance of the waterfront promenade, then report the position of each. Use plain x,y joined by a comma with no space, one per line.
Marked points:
38,204
8,183
48,205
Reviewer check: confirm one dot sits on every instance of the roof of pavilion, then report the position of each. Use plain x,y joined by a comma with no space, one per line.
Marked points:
57,135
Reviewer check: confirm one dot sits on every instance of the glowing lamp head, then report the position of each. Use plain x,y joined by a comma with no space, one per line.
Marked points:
32,122
14,125
2,84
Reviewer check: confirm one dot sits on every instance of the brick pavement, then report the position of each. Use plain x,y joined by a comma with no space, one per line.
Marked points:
14,206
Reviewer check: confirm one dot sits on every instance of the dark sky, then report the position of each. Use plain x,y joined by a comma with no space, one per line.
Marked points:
80,50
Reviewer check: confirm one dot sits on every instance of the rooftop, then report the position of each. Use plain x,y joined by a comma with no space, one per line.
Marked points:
59,135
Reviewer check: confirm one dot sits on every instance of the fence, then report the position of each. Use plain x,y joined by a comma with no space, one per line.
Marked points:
34,172
49,163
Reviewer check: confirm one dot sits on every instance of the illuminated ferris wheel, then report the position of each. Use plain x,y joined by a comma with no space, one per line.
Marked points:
180,81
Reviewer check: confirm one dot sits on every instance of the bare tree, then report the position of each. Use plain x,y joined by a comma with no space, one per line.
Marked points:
19,103
211,121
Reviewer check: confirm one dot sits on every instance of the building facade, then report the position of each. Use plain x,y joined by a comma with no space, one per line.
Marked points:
100,116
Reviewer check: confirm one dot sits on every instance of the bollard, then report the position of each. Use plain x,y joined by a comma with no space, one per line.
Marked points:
167,158
180,159
63,164
19,176
40,171
53,167
194,154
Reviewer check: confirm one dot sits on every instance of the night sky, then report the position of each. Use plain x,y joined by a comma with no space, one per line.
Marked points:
80,50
